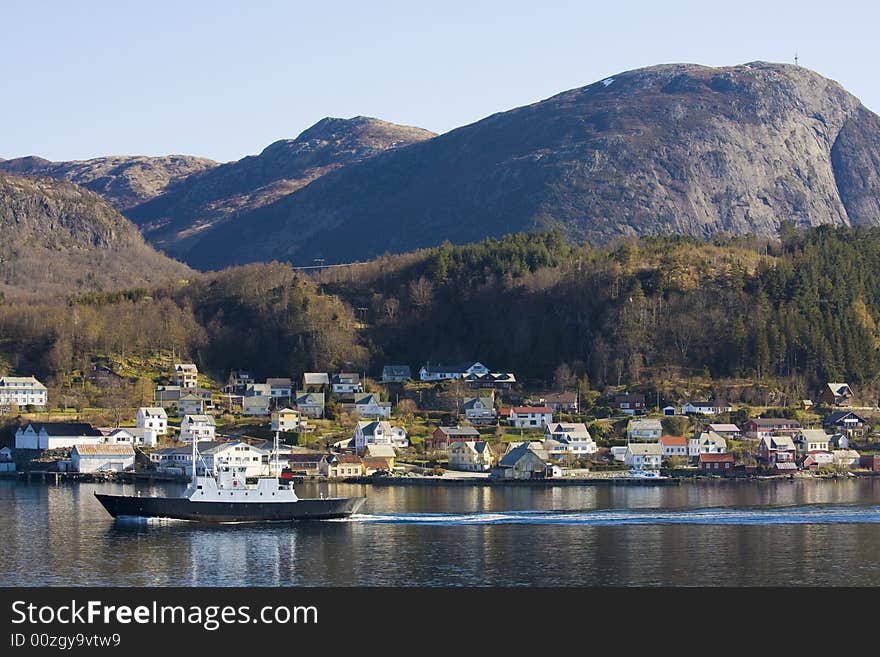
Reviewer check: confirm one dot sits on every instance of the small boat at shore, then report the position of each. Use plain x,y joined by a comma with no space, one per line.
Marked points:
226,496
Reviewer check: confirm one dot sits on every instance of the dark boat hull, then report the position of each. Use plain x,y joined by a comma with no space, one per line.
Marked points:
180,508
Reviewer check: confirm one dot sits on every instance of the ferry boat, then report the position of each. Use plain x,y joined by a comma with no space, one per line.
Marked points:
225,496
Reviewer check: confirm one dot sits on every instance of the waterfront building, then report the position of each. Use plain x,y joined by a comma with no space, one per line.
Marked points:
102,458
55,435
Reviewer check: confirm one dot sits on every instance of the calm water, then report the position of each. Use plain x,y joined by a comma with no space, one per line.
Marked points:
712,533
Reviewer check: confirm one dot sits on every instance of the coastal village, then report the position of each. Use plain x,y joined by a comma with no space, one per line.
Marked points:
460,422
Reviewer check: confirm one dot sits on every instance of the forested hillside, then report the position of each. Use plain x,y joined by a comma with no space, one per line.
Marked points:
792,313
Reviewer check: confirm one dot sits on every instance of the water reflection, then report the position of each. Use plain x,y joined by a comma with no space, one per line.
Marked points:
714,533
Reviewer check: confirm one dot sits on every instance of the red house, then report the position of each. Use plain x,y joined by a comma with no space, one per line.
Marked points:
442,436
716,463
631,404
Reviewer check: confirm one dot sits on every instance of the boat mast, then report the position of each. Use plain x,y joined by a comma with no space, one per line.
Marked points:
276,455
195,440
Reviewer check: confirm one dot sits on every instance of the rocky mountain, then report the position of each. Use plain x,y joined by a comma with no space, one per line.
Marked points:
59,237
177,219
125,181
675,148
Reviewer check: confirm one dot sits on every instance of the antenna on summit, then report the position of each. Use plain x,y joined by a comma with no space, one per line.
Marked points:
796,58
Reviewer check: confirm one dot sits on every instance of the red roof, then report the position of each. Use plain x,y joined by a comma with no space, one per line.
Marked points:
716,458
531,409
674,441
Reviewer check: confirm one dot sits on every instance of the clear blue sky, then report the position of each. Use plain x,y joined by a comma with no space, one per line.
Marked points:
224,79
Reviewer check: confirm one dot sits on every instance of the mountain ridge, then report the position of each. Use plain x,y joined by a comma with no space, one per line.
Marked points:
677,148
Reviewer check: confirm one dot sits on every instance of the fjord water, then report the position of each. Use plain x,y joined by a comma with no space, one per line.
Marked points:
768,533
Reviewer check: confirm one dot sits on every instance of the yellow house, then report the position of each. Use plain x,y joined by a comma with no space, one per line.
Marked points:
285,419
470,455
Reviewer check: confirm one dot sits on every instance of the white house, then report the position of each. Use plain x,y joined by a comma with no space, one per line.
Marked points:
368,405
310,404
286,419
618,453
396,374
346,382
644,429
643,456
706,408
198,427
54,435
811,440
706,442
154,418
674,446
102,458
525,417
280,388
378,433
186,375
257,399
445,372
472,456
129,436
21,391
190,404
573,434
479,410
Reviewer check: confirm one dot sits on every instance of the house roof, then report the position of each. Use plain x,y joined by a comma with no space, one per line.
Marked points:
839,388
525,410
382,451
149,411
725,428
774,421
258,389
786,465
571,430
104,450
645,449
708,404
558,397
814,435
716,458
7,380
376,462
280,382
189,397
839,416
459,431
629,397
369,398
516,453
348,458
204,419
644,425
396,370
673,441
780,442
368,427
316,378
65,428
304,458
309,398
347,377
186,367
285,411
470,402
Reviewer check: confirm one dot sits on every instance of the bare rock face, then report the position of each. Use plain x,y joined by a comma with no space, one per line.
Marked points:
124,180
676,148
198,204
60,238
